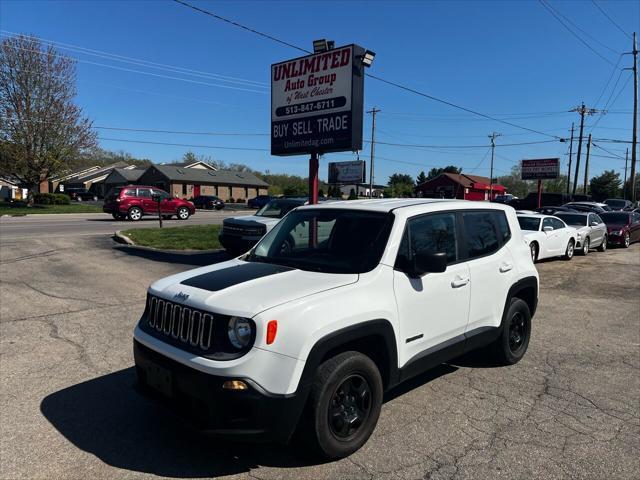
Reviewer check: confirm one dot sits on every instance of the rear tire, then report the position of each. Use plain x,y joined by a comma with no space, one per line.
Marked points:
134,214
568,254
603,245
512,344
344,405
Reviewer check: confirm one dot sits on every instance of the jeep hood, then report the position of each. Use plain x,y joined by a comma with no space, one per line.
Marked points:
245,288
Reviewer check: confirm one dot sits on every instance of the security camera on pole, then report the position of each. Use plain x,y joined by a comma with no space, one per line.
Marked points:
317,104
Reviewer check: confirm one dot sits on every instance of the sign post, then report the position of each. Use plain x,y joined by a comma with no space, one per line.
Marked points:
317,106
540,169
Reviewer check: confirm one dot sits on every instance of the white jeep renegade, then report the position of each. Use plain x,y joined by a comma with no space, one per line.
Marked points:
335,305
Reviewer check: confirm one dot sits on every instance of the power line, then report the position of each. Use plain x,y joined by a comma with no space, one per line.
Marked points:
595,124
185,145
375,77
552,12
582,29
152,73
236,24
142,62
610,19
460,146
613,72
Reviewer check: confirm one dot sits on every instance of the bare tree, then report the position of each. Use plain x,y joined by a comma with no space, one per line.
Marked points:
42,131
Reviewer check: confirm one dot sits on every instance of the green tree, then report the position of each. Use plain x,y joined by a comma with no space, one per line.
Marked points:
434,172
402,178
605,186
42,130
421,178
514,183
627,187
352,194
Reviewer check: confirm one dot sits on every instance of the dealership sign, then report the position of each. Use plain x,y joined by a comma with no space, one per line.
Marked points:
540,169
317,102
347,172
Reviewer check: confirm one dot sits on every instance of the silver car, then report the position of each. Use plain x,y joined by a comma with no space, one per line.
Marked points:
592,231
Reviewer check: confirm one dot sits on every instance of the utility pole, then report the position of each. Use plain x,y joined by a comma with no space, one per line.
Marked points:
373,112
570,154
582,110
624,184
493,147
586,166
634,144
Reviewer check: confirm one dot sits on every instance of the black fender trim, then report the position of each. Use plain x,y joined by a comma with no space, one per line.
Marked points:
518,287
374,328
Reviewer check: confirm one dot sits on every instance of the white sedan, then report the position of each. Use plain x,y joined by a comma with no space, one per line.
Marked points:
548,236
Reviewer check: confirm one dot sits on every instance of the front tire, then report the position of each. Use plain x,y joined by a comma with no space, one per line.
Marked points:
183,213
344,405
134,214
568,254
603,245
512,344
584,251
627,240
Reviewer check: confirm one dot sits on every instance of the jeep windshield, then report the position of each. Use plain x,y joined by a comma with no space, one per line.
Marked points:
326,240
278,208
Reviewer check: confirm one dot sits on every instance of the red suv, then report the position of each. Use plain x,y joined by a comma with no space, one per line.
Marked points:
134,201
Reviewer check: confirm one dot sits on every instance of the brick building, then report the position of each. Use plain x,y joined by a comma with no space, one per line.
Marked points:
459,185
188,182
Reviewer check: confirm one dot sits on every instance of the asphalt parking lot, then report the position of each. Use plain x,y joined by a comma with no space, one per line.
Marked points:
68,305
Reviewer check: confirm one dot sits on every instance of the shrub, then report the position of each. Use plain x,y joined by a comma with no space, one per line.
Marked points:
44,198
240,200
61,199
230,200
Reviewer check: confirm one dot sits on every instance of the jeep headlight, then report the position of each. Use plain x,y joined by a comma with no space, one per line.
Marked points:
617,232
240,332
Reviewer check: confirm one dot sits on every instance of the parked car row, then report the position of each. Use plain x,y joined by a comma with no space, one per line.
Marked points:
567,232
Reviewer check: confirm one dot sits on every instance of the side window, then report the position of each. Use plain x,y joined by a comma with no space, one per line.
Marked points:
547,223
130,192
503,226
635,218
482,238
597,219
162,194
557,224
434,234
144,192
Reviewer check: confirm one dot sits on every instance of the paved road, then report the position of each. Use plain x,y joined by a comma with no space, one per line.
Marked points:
67,410
75,224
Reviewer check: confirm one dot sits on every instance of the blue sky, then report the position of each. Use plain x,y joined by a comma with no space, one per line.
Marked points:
512,59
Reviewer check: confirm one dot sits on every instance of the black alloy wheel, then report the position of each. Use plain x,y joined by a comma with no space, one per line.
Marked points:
517,332
349,407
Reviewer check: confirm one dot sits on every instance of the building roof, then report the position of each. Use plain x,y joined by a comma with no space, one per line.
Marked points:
196,164
198,175
126,174
467,181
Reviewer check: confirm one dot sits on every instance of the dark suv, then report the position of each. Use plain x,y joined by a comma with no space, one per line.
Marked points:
134,201
80,194
208,202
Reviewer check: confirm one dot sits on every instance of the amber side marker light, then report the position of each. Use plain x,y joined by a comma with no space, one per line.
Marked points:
272,329
234,385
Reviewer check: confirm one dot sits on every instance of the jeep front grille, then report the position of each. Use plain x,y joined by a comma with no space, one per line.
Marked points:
183,324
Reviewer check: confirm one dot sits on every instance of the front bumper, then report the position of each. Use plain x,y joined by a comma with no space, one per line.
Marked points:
614,239
198,398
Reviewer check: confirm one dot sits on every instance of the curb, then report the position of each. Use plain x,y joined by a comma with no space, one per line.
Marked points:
121,238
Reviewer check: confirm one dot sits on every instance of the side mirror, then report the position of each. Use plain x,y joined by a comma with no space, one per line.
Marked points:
428,263
594,224
547,229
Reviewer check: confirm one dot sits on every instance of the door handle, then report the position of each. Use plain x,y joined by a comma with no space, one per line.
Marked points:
505,267
459,282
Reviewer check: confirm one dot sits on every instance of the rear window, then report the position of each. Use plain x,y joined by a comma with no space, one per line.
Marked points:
482,238
114,192
616,203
